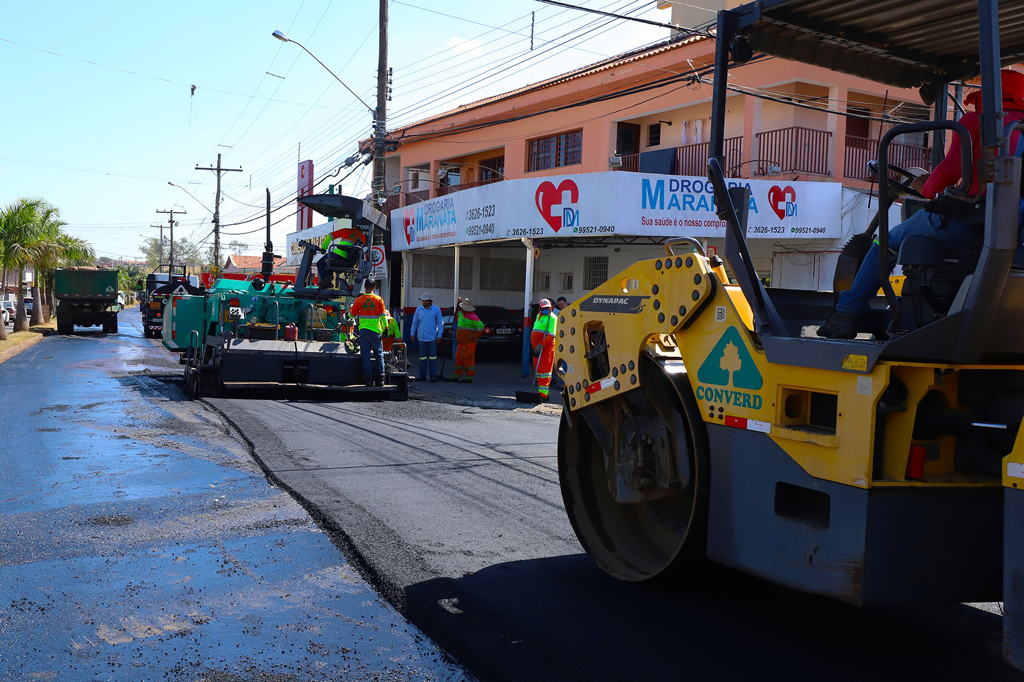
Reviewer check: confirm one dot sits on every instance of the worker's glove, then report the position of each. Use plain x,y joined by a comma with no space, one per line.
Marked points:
538,349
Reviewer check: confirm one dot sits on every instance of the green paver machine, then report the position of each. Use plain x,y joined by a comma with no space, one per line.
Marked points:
260,333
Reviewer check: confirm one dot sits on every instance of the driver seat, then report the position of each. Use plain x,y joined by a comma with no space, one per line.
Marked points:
933,278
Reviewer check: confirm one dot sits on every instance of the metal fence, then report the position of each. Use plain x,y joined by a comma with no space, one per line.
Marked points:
794,149
860,150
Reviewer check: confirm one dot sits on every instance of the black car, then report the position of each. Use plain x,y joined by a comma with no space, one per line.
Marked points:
503,329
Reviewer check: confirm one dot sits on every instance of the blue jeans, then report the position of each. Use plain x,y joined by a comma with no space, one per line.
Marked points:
370,340
428,356
953,238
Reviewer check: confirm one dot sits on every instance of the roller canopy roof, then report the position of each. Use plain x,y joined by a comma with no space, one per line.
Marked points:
340,206
905,43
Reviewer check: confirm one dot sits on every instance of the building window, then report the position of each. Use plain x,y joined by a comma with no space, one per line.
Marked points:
595,271
654,135
502,274
493,169
542,281
556,151
565,281
438,272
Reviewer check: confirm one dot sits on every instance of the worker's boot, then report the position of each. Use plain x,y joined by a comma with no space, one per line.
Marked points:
368,382
841,326
378,380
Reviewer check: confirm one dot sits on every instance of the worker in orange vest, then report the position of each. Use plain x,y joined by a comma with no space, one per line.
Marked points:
343,247
370,314
391,332
542,338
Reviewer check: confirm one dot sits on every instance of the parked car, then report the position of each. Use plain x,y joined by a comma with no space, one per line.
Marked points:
7,311
502,329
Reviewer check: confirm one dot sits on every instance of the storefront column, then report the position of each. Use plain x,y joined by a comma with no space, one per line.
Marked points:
407,257
455,299
527,295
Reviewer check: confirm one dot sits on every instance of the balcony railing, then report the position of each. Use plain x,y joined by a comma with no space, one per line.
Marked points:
416,197
794,149
860,150
449,189
393,202
692,159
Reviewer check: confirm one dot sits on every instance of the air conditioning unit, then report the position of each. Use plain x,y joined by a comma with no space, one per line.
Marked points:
615,162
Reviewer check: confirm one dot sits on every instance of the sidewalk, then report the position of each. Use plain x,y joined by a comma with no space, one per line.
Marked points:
494,388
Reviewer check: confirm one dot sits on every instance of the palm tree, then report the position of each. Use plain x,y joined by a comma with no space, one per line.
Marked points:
18,242
54,249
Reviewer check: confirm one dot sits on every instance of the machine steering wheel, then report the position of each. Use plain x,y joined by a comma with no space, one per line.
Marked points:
901,188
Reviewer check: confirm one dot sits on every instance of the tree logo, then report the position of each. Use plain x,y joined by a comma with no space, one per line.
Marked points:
730,364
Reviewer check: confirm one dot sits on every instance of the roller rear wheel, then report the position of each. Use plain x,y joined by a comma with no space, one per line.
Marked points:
664,531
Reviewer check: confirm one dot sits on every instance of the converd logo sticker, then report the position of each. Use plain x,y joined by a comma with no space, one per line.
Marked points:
730,366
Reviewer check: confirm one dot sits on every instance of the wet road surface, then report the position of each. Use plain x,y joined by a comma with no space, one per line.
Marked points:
139,540
454,514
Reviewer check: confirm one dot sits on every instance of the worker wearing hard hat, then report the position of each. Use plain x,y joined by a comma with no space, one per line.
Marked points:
343,248
369,311
468,328
542,338
427,327
949,222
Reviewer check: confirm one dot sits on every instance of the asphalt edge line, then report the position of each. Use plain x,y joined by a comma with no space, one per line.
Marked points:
383,588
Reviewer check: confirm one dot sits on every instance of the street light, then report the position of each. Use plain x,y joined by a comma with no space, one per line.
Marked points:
283,37
190,194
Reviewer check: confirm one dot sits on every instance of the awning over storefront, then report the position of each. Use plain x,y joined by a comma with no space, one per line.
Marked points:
610,204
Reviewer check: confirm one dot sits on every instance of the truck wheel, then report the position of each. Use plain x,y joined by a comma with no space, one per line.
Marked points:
65,328
113,325
662,529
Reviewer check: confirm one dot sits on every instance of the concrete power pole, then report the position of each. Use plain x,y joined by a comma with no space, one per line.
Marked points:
161,261
170,222
216,210
380,119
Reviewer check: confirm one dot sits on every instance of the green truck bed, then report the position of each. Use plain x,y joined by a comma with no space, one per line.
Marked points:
85,283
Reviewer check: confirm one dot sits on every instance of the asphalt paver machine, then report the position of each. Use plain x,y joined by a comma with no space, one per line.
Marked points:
703,421
245,336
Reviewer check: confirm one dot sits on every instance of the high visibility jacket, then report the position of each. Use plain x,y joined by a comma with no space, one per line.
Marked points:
341,241
370,312
469,321
544,328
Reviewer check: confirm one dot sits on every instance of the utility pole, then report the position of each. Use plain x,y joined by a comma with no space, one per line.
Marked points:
161,261
170,222
216,210
380,118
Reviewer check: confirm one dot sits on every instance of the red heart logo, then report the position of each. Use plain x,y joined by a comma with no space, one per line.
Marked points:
407,219
778,197
548,196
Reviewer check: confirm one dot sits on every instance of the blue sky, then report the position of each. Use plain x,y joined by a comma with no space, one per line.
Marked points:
101,140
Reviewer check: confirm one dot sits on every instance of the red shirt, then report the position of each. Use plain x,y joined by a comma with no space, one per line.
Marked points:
948,172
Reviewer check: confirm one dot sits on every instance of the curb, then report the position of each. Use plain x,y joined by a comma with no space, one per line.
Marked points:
11,352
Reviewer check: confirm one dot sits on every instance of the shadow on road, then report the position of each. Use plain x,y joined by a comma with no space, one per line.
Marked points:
560,618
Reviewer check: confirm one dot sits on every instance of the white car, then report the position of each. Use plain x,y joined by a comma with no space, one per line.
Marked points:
7,311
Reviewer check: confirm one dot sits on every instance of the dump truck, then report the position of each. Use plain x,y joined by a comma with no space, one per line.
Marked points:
154,291
86,297
704,419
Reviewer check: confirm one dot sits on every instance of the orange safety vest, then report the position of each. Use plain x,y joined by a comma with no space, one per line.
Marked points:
339,241
369,310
